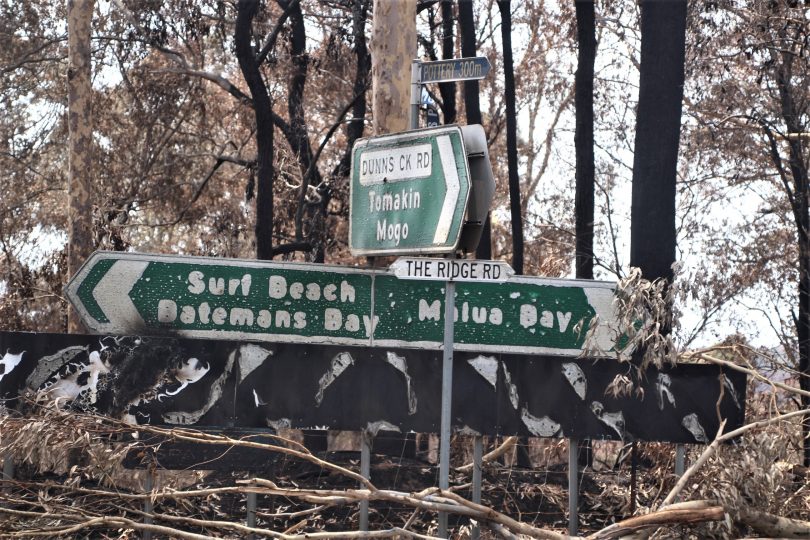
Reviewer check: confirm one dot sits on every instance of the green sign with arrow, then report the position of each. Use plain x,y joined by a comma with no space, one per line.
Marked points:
409,192
130,293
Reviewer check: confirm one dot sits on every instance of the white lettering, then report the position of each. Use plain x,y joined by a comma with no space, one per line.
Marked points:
282,319
216,286
296,290
196,283
313,291
352,323
332,319
265,318
563,319
187,315
346,292
429,312
528,315
204,310
370,325
166,311
219,315
278,287
241,317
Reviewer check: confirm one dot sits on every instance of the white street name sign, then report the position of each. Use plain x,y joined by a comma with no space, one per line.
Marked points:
452,270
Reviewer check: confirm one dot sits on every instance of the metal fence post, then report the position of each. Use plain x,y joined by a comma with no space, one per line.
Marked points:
365,472
573,487
478,457
148,507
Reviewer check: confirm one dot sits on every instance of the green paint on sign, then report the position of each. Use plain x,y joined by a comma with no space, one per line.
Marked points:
517,315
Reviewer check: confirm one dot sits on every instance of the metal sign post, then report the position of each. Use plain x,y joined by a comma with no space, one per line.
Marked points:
447,398
455,69
450,270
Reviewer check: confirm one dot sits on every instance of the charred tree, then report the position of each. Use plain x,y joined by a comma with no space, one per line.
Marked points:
583,138
658,128
511,137
246,11
448,89
356,124
796,184
466,23
583,147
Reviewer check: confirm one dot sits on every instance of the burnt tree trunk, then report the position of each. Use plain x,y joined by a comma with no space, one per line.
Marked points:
523,458
800,207
511,137
448,89
658,128
583,147
583,138
298,136
466,23
243,36
356,125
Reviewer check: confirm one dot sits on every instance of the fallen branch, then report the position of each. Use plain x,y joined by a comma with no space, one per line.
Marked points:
774,526
505,446
685,513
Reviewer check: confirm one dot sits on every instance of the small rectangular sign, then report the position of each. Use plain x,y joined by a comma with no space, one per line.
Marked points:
456,69
394,164
451,269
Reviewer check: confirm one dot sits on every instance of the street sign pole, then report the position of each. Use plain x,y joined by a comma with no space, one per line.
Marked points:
450,270
416,94
447,397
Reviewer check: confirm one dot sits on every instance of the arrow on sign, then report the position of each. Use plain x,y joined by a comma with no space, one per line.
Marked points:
121,277
452,186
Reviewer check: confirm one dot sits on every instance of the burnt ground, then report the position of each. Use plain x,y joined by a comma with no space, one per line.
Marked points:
538,496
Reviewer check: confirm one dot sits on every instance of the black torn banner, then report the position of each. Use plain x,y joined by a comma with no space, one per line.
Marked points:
226,384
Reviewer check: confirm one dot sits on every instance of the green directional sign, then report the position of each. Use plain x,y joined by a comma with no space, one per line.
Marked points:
124,293
409,192
130,293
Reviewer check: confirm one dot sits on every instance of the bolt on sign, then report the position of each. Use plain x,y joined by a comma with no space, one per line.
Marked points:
130,293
